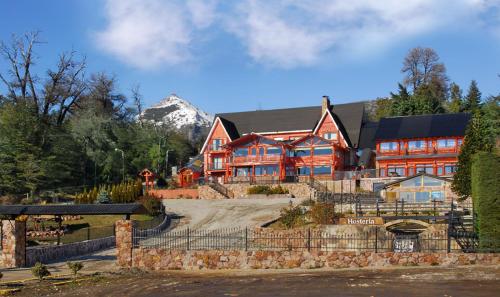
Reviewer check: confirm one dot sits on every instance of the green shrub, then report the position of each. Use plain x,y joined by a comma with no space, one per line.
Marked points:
267,190
152,204
75,267
40,271
485,192
323,213
292,216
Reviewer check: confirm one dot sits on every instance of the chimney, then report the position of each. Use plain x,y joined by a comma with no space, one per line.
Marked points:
325,104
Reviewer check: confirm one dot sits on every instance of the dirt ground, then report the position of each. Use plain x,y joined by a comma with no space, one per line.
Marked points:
227,213
462,281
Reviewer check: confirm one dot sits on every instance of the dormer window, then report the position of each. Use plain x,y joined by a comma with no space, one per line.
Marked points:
330,135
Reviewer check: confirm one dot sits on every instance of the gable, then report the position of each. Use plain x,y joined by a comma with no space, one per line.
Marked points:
218,131
328,124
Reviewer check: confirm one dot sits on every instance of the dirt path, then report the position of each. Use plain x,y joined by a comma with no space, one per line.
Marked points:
227,213
424,282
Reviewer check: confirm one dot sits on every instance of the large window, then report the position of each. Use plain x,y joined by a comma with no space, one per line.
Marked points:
446,143
320,151
303,170
450,169
217,163
242,171
330,136
241,152
427,168
422,197
395,171
272,150
416,145
388,146
216,144
266,170
302,152
320,170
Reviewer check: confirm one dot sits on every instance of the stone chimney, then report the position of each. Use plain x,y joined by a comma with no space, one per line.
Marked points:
325,104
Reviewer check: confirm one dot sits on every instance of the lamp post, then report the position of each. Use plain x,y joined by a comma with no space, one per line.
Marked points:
123,162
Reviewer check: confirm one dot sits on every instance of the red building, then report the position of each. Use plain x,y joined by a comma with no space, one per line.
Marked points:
321,141
284,143
408,145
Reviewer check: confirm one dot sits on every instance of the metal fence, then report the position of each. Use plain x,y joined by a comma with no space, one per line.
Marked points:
377,240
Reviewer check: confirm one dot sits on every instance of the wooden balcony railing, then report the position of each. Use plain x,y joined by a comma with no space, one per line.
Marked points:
250,159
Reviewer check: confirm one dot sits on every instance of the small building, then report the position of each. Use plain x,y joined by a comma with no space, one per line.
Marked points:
191,173
420,188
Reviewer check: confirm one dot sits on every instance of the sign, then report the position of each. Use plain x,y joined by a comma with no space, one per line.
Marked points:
362,221
405,244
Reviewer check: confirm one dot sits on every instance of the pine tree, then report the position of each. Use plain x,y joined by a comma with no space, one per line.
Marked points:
473,98
478,137
103,198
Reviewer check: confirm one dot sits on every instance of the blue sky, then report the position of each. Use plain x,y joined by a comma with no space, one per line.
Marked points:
243,55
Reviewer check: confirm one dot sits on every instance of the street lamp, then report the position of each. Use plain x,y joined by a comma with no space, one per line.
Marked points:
123,162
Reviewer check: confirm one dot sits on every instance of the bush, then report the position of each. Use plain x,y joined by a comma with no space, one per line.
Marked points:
40,271
323,213
152,204
292,216
75,267
485,192
266,190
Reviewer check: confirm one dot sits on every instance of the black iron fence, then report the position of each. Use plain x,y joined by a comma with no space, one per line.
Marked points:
378,240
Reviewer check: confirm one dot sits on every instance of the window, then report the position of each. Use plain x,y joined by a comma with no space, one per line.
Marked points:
261,151
389,146
450,169
460,141
272,150
432,182
303,171
242,171
320,151
319,170
382,172
437,195
217,163
241,152
413,182
427,168
397,171
416,145
266,170
421,197
279,139
216,144
407,196
440,170
411,171
254,151
446,143
330,136
302,152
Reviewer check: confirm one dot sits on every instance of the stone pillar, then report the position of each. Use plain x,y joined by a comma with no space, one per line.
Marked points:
124,243
13,243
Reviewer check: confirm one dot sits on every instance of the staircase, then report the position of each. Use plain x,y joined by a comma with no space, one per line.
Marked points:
221,189
462,230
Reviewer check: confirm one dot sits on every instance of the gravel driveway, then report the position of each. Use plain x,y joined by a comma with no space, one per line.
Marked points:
227,213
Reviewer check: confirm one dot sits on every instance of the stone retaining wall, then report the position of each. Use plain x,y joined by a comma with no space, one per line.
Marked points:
47,254
206,192
160,259
174,193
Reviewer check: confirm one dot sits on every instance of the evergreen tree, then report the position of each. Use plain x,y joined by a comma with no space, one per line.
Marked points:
473,98
478,137
103,198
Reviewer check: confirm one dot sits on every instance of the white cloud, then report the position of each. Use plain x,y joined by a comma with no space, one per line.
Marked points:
281,33
149,33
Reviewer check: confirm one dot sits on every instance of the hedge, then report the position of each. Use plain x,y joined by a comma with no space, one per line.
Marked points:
485,179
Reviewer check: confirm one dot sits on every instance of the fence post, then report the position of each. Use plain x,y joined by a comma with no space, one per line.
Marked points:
308,239
378,209
396,202
188,244
246,238
402,207
376,239
88,233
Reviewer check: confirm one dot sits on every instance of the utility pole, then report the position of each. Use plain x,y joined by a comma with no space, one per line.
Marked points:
166,163
123,162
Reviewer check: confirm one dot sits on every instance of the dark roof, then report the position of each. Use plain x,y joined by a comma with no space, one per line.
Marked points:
367,137
421,126
413,176
293,119
73,209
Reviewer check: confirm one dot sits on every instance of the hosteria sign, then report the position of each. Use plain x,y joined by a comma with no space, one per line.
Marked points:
361,221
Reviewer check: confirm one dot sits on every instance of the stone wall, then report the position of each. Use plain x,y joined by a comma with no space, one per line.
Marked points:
13,243
161,259
206,192
298,190
174,193
47,254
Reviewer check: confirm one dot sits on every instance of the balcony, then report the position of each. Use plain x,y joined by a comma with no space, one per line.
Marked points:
215,148
216,167
255,159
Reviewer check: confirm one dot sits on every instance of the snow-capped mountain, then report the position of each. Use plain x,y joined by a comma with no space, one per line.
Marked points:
180,114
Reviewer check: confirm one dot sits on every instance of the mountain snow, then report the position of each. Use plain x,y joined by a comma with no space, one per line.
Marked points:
178,112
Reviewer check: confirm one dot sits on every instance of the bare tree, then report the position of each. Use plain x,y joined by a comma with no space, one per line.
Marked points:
55,94
137,97
421,66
